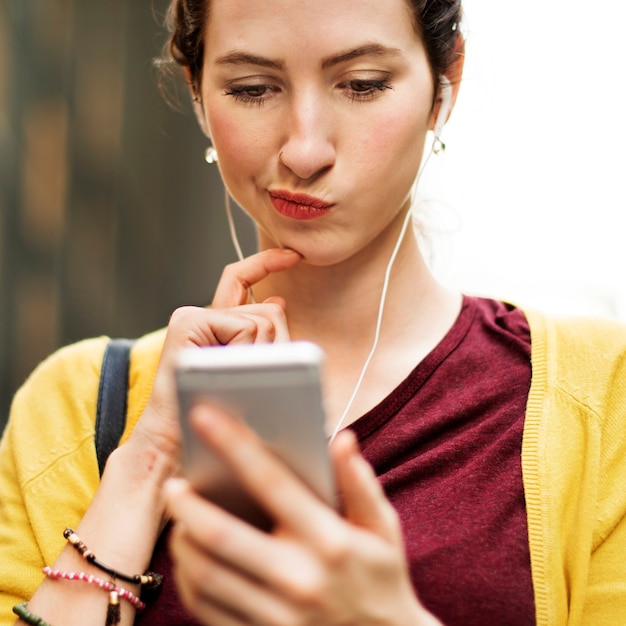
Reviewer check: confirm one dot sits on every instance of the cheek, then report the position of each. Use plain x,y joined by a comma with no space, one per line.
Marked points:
392,145
239,149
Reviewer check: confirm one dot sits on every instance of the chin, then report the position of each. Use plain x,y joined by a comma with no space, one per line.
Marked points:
316,251
323,258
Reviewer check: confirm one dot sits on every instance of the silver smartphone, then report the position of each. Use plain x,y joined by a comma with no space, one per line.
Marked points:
276,389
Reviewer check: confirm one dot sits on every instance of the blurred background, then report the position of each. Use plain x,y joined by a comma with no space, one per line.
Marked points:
109,217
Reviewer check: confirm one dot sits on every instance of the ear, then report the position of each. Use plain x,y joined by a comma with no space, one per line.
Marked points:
454,74
198,107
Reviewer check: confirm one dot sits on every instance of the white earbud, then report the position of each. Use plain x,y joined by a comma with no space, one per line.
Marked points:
444,109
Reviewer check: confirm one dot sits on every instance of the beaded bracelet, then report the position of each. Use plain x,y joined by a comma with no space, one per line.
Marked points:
21,610
151,580
107,585
115,592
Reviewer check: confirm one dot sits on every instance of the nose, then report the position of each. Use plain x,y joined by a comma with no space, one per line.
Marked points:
308,148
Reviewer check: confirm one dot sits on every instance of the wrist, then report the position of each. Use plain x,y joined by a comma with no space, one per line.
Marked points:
142,464
127,513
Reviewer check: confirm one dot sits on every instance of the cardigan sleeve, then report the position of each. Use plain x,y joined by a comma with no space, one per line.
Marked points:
606,587
48,468
574,460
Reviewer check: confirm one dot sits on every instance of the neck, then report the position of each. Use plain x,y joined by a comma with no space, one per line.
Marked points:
338,306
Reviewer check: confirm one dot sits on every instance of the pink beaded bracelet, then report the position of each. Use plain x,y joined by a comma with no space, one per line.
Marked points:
115,592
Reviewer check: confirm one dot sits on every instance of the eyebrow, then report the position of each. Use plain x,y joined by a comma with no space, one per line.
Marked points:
371,49
243,58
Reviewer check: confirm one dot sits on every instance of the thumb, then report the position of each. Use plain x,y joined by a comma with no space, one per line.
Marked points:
364,501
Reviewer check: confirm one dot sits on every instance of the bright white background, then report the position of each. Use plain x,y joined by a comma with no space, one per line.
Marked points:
528,202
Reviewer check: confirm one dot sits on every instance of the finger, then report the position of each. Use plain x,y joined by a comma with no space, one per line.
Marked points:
237,278
261,323
206,610
365,503
279,308
289,502
213,529
245,327
227,538
195,326
213,583
271,311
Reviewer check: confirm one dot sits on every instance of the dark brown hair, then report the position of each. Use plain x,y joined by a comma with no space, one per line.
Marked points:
436,21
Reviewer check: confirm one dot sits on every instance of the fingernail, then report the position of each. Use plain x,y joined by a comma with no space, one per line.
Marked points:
202,416
174,486
207,418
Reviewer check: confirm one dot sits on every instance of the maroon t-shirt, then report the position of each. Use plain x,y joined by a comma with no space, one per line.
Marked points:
446,445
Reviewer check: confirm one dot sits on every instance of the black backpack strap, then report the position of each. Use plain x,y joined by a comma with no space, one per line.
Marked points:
112,393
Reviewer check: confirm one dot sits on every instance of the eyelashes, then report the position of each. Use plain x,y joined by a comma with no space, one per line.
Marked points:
251,94
361,90
355,90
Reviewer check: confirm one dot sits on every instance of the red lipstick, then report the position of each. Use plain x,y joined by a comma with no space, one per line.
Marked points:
298,206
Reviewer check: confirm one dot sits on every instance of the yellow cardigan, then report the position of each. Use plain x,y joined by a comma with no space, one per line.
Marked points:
573,459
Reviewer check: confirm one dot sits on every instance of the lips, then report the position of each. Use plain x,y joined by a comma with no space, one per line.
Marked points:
299,206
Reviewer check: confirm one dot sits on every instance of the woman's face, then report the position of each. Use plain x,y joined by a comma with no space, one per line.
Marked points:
318,110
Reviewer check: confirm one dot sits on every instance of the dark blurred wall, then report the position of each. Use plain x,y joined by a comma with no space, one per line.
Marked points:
109,217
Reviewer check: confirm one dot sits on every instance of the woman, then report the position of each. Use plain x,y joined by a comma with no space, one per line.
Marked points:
501,498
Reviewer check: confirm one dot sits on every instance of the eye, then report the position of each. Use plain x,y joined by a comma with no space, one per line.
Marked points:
360,89
251,94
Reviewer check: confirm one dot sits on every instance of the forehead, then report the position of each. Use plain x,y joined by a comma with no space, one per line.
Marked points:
307,27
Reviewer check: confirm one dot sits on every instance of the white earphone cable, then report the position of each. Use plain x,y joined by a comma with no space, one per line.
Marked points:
234,238
231,226
381,307
436,146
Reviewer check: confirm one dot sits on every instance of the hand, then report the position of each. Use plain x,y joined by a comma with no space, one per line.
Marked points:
229,320
315,566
